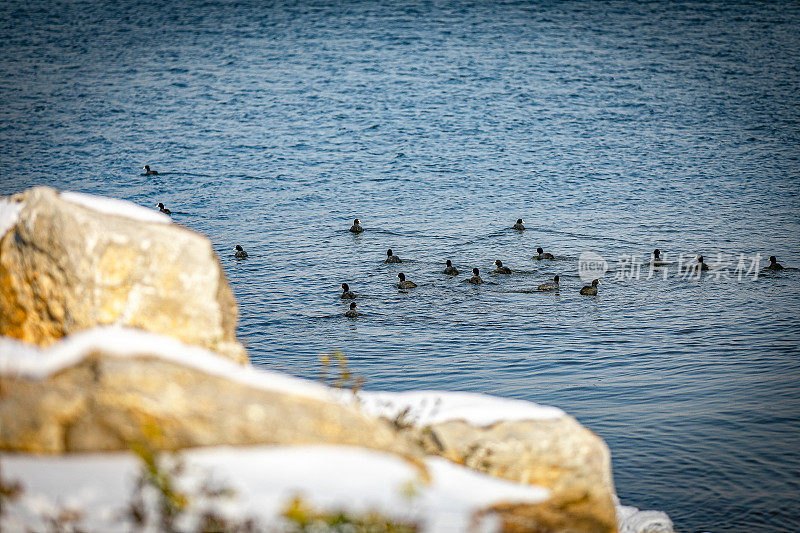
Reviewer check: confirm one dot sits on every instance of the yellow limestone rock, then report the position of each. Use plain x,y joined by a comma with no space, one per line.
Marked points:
517,441
65,267
109,388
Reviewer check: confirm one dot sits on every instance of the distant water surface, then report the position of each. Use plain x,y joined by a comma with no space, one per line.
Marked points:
613,127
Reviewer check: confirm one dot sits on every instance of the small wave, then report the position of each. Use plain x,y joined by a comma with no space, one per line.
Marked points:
582,235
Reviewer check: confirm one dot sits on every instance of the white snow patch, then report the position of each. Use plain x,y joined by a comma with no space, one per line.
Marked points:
30,361
96,485
264,480
9,214
434,407
113,206
632,520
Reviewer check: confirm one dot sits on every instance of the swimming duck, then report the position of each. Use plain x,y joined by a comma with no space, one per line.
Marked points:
149,172
700,264
449,269
351,313
773,264
657,260
405,284
163,209
549,286
590,290
356,227
541,255
500,268
475,279
391,258
240,253
518,226
347,294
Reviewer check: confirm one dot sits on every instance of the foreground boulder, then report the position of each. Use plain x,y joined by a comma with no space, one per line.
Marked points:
114,389
70,262
515,440
109,388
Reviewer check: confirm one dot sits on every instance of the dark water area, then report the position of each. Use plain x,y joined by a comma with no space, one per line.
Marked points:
613,127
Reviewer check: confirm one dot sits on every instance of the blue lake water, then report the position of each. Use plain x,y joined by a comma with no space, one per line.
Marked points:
612,127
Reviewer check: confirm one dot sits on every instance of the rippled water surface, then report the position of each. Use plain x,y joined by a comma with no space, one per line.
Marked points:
610,127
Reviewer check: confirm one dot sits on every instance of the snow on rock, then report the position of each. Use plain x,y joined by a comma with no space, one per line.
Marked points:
632,520
510,439
113,206
424,408
264,480
96,486
30,361
114,384
9,213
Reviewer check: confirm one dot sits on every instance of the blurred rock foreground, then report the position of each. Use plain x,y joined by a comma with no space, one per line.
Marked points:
119,331
65,267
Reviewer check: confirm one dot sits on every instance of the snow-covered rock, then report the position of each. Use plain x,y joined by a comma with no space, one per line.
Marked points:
116,207
9,213
72,261
632,520
434,494
106,388
424,408
515,440
109,388
97,492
